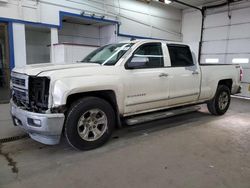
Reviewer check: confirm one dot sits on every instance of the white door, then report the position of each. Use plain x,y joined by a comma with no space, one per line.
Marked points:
184,76
146,79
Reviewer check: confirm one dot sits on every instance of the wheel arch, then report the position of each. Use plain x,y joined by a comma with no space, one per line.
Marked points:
226,82
108,95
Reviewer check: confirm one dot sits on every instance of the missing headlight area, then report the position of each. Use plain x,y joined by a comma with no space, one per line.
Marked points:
31,93
38,93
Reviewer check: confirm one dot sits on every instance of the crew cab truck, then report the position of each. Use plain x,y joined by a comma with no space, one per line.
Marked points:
88,99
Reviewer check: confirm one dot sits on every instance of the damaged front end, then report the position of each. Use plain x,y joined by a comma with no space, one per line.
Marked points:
30,108
31,92
39,93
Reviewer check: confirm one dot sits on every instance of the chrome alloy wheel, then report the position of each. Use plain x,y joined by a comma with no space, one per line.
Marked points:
223,100
92,125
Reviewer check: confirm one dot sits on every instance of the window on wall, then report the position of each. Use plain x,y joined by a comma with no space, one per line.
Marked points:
152,52
180,55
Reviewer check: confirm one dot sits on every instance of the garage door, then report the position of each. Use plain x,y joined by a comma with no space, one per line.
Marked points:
227,40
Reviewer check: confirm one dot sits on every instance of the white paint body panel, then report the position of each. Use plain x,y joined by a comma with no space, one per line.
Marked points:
138,90
184,86
145,82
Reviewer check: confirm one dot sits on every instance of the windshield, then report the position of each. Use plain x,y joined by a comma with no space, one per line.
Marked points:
108,55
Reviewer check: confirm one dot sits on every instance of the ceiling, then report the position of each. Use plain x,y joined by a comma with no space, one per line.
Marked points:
196,3
200,2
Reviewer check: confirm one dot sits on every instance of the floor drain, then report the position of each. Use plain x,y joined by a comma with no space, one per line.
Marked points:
13,138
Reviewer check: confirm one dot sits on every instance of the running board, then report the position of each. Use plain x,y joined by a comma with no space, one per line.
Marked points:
160,115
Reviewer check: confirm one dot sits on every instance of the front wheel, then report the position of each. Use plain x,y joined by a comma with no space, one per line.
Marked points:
89,123
221,101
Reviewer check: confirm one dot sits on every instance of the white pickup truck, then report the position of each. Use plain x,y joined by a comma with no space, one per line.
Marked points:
117,82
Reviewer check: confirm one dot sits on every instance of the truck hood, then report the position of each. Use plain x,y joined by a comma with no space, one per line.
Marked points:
34,70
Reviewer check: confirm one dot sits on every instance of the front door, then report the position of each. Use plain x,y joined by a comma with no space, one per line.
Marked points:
4,64
146,79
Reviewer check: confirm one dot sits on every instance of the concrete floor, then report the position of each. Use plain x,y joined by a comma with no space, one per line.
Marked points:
4,95
195,150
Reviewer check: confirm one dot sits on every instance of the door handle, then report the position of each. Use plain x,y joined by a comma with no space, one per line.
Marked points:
195,72
163,75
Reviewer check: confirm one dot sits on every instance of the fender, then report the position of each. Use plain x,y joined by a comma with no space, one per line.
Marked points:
62,88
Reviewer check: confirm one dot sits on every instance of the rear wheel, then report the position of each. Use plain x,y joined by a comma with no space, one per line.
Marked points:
89,123
221,101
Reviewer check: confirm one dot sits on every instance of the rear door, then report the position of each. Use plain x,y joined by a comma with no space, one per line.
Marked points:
185,76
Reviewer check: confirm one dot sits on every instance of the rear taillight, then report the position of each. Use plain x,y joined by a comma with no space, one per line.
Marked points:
241,74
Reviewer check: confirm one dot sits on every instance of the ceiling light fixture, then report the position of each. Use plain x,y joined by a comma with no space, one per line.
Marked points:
212,60
240,60
167,1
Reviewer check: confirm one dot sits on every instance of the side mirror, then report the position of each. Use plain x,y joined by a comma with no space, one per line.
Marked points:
137,62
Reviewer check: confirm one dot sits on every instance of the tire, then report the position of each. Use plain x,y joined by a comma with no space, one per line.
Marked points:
221,101
89,123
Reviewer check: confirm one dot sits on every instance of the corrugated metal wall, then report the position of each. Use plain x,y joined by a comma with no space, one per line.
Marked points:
226,39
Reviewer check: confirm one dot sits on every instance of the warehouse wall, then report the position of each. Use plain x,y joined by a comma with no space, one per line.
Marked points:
19,44
68,53
79,34
107,34
37,48
191,29
225,39
87,34
137,18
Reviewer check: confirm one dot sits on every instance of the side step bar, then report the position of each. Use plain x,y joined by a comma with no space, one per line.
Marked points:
160,115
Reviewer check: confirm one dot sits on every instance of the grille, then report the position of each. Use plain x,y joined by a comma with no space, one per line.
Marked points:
30,92
20,95
18,81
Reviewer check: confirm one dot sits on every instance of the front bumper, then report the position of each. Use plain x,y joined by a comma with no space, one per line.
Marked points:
44,128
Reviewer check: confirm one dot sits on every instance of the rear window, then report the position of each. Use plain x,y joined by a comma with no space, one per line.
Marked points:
180,55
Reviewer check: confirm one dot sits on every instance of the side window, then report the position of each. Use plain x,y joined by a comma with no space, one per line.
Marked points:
147,56
180,55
